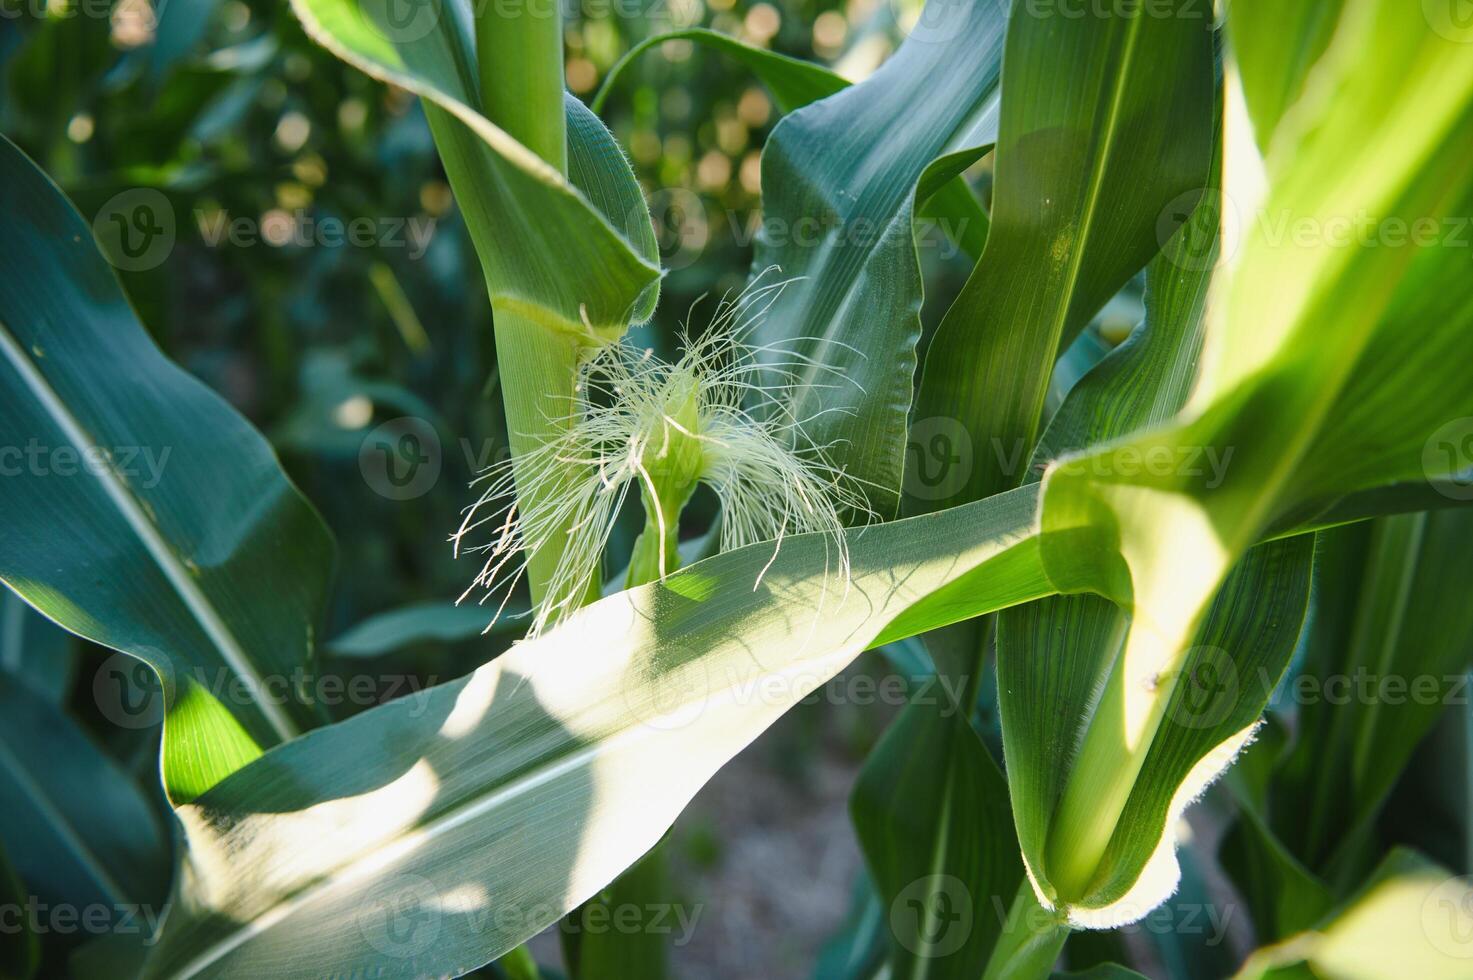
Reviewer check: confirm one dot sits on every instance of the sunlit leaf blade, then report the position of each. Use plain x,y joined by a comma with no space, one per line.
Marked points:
527,222
1276,385
79,833
1428,911
477,812
156,521
1089,105
1277,45
839,182
941,887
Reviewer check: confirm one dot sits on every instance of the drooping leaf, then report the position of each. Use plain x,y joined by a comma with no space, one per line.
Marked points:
154,520
479,811
793,83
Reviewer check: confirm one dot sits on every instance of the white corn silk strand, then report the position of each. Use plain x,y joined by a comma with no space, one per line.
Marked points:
721,415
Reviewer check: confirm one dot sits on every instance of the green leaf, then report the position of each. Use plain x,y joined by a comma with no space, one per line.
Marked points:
34,649
82,833
479,811
1055,654
1307,412
1391,639
421,622
840,181
1277,45
938,839
151,518
526,220
1089,105
1427,910
1249,634
793,83
1284,896
617,953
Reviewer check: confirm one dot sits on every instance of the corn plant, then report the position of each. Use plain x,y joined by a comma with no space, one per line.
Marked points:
1128,550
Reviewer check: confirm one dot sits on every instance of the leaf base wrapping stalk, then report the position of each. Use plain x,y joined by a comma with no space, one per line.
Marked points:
1030,942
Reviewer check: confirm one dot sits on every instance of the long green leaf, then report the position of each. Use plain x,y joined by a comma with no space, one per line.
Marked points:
840,180
793,83
1306,411
1090,105
150,518
477,812
942,896
1392,629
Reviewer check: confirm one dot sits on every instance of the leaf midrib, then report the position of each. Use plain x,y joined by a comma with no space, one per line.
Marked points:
199,605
